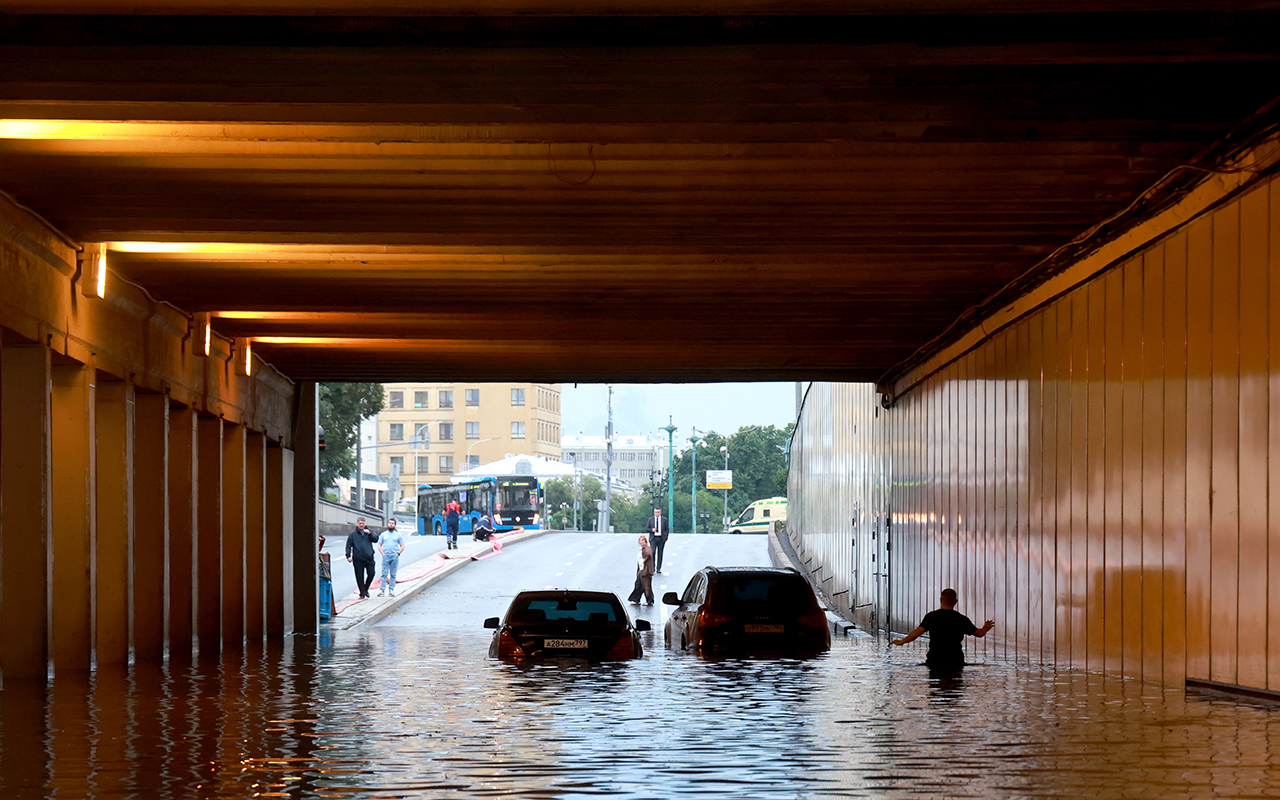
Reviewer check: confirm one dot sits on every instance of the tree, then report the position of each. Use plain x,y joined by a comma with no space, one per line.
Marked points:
757,457
342,406
559,495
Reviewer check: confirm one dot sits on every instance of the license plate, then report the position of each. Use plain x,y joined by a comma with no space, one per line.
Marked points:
565,644
763,628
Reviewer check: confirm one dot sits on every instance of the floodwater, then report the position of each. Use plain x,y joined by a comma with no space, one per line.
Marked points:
405,711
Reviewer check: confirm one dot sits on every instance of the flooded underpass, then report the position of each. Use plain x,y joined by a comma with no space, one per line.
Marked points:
415,708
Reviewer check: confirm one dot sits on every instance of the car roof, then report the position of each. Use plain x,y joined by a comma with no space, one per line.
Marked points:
753,570
535,593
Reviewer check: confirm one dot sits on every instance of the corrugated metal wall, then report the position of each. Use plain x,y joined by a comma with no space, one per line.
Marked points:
1094,477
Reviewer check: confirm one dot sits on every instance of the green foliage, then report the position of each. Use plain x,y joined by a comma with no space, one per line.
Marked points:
559,494
342,406
757,457
630,516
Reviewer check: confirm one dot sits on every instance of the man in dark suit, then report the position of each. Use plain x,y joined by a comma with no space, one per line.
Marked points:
658,530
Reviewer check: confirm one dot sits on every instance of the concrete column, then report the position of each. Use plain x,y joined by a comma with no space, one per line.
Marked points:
254,530
306,478
208,545
150,524
75,412
183,474
114,493
233,518
275,498
25,484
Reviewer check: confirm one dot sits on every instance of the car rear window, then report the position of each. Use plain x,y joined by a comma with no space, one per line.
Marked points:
560,610
779,594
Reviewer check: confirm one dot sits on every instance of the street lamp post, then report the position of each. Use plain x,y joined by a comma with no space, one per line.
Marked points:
724,451
473,444
693,490
671,463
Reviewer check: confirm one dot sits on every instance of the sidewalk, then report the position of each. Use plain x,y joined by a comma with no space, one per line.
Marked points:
413,578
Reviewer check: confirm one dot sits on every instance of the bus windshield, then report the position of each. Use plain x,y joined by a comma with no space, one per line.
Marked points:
518,495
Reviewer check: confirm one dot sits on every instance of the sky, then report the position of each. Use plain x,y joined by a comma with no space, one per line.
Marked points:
643,408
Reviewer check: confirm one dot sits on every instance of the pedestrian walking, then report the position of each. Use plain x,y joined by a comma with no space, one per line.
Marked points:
451,525
658,530
360,555
390,544
946,628
644,575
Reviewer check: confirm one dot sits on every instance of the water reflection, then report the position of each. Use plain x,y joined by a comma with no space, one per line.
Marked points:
403,712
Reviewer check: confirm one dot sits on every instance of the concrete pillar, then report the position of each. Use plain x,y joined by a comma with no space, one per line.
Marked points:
150,524
25,484
233,552
254,530
182,529
276,492
208,545
74,410
306,478
114,535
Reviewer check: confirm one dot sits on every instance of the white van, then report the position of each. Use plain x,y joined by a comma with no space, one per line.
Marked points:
760,516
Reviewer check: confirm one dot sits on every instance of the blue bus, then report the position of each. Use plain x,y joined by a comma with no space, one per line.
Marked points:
513,501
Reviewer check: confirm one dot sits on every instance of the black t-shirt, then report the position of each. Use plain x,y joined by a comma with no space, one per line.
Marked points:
947,629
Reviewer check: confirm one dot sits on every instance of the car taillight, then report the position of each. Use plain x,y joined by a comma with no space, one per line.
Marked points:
623,648
815,620
707,619
508,647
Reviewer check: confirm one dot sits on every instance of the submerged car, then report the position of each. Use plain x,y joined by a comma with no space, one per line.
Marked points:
747,610
564,623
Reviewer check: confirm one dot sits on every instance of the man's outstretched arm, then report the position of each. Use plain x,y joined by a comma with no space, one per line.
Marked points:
980,632
910,637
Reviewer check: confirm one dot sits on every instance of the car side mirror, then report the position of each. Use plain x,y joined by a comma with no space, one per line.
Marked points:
671,599
642,624
491,622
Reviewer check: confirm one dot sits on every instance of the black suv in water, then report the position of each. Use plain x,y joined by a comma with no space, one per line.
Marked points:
747,610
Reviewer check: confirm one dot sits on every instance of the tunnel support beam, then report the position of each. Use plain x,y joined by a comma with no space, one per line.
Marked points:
208,545
254,517
25,518
74,410
279,580
306,477
114,534
182,530
233,550
151,524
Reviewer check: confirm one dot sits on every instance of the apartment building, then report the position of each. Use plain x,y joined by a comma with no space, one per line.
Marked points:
635,458
432,430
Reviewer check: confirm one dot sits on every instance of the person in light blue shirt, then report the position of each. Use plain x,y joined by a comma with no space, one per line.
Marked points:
390,545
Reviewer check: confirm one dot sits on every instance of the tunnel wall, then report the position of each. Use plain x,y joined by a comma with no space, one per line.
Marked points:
148,492
1094,475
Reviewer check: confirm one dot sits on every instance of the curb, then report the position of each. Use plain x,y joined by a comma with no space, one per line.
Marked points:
376,609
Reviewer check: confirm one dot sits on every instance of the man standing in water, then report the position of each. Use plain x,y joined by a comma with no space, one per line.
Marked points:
360,555
946,628
390,545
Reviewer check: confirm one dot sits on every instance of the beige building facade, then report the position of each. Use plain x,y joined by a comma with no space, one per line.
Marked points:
444,427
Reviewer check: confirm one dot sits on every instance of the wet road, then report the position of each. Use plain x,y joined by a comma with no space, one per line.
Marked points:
414,708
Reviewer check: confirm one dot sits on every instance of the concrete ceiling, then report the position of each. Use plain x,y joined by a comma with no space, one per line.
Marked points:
554,193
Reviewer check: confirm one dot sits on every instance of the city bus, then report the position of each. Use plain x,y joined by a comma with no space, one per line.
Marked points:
513,501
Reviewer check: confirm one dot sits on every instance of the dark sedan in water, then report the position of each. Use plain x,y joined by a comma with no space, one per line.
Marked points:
747,611
563,623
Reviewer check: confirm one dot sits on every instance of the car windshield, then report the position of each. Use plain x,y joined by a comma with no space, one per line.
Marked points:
785,594
551,609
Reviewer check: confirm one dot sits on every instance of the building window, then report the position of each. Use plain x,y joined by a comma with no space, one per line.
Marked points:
446,431
473,461
517,397
473,430
424,463
422,434
397,462
517,430
473,397
395,400
420,399
446,465
446,398
396,434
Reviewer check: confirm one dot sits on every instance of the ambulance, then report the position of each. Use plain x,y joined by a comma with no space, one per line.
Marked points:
761,516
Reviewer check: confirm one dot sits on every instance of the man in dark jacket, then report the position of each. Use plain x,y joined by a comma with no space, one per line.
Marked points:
451,525
360,554
658,531
946,628
644,575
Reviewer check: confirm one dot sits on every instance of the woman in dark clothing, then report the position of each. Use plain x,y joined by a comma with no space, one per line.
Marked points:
644,575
